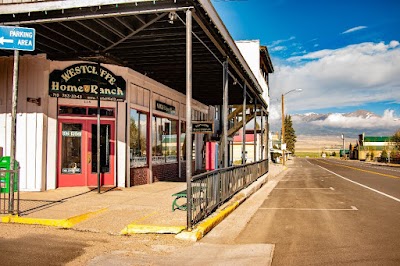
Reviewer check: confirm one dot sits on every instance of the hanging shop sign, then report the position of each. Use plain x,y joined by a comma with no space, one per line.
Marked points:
87,81
166,108
203,127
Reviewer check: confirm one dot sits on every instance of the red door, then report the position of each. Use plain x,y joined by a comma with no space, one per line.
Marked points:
107,153
77,148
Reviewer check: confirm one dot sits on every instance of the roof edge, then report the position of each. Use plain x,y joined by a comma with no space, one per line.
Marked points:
15,8
212,13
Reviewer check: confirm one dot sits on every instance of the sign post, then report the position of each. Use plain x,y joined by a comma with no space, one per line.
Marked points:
17,39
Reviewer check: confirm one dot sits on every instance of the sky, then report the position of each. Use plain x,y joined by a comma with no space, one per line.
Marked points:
343,54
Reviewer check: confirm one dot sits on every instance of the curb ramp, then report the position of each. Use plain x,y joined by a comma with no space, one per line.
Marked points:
61,223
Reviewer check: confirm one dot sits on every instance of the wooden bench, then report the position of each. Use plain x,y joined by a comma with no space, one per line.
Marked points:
183,194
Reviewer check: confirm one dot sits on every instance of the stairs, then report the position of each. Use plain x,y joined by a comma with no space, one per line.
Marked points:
235,118
236,123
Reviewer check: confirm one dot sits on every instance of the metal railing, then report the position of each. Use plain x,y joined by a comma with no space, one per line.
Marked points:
8,206
211,189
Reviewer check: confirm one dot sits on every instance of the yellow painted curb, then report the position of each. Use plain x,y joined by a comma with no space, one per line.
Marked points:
151,229
204,227
64,223
70,222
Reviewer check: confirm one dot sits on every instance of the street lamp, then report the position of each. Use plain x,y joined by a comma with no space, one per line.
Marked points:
283,122
344,153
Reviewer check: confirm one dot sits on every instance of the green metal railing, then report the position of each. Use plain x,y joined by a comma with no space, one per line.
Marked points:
211,189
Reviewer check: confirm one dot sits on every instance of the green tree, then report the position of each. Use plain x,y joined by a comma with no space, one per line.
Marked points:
393,154
290,134
396,139
384,156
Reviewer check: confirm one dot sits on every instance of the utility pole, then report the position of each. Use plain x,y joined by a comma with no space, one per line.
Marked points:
283,129
283,123
344,152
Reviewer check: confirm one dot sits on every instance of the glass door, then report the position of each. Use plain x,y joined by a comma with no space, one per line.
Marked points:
107,153
77,153
71,164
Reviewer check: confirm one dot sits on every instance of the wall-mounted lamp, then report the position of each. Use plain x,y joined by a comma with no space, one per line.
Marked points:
37,101
172,17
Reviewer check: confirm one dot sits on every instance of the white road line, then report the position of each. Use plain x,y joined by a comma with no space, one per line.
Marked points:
364,186
305,188
300,180
353,208
309,162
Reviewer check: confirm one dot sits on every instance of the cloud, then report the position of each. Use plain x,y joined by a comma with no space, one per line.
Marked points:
393,44
354,29
337,123
338,120
277,42
350,76
278,48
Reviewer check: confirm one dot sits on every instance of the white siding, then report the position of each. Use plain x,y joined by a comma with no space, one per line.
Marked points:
30,122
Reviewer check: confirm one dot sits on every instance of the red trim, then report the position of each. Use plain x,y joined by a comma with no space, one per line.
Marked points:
85,178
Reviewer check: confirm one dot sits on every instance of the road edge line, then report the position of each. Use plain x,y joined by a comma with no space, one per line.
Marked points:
362,185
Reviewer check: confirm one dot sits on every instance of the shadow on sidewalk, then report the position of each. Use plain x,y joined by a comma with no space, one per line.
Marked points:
29,206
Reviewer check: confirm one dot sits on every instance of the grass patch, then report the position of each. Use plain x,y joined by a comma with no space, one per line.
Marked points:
304,154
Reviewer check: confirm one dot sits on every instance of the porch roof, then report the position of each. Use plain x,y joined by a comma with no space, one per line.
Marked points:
146,36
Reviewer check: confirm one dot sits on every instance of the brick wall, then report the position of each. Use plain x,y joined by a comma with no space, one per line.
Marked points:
166,172
139,176
161,172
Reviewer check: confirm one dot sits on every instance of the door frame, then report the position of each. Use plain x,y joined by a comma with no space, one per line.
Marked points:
109,178
82,179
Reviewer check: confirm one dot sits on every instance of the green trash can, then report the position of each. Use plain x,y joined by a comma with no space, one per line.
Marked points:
5,177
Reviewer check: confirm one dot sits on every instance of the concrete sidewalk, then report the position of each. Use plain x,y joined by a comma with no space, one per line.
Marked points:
140,209
148,207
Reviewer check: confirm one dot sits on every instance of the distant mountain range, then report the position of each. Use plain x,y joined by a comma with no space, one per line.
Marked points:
334,124
309,117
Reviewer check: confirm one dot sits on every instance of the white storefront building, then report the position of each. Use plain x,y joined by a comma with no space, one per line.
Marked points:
135,56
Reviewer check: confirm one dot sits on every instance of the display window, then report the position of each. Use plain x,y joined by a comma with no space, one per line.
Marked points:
165,142
138,138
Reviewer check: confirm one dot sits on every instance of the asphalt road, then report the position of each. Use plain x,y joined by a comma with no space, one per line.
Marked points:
317,212
330,212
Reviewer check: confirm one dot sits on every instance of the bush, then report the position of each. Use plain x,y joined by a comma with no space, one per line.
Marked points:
384,156
333,154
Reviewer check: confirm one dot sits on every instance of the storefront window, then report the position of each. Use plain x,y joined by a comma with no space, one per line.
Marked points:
164,132
138,138
71,153
103,112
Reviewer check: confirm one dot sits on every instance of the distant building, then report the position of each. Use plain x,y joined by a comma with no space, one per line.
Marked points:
249,146
370,145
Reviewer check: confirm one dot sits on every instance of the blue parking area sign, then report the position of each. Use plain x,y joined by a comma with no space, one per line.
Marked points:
17,38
